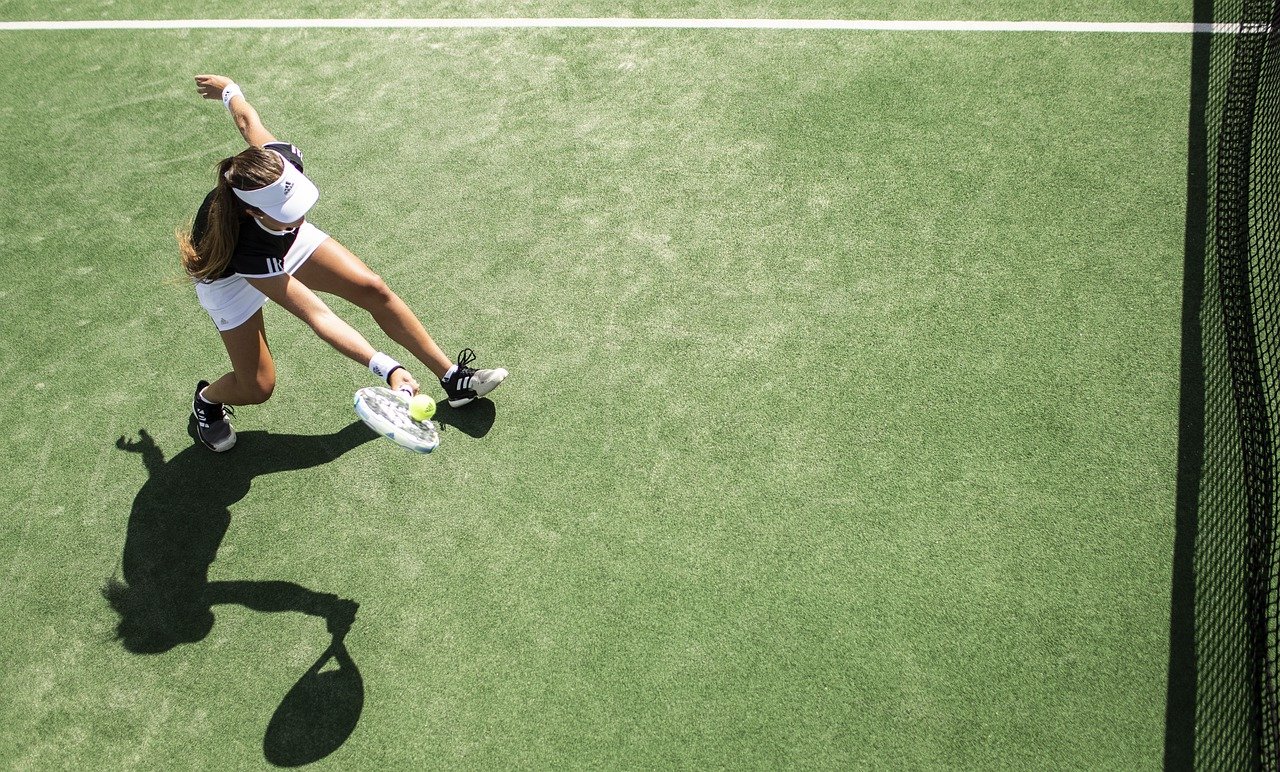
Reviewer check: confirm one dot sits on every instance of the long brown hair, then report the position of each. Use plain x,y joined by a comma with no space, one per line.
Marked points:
250,169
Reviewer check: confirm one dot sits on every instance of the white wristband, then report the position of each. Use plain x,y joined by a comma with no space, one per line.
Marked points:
229,92
382,366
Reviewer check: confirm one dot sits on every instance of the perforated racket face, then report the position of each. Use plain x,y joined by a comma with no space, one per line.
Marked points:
387,413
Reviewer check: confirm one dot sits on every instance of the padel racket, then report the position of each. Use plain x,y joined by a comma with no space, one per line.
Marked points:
387,413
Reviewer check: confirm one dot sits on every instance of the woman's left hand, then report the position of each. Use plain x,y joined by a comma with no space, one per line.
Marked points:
210,86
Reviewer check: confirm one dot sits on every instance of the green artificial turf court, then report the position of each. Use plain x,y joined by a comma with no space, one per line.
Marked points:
841,429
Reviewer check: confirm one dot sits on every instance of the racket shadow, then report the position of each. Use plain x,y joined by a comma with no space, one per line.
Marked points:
319,713
474,420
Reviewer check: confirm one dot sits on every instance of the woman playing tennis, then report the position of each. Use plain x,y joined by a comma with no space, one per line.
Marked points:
251,242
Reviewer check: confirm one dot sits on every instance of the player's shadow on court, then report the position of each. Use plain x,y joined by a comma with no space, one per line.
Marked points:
474,419
176,526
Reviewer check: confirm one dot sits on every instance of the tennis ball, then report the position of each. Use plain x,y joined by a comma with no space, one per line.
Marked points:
421,407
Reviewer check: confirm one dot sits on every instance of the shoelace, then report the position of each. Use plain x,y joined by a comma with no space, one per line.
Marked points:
460,376
459,384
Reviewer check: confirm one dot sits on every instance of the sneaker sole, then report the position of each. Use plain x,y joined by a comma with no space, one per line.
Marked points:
223,448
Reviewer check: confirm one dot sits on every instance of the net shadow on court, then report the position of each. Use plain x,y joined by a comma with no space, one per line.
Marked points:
1221,710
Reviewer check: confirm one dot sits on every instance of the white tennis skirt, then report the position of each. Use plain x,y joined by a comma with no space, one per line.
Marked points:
233,300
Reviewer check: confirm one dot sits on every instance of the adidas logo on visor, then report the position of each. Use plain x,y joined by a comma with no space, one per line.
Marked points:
288,186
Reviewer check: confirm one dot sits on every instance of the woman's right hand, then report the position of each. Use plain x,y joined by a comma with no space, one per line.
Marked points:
210,86
402,381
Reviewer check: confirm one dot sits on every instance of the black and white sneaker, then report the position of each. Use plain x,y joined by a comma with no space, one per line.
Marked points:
467,384
211,422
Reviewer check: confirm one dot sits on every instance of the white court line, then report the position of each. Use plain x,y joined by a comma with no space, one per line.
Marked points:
622,23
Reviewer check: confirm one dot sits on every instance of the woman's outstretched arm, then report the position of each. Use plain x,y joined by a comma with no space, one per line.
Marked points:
246,118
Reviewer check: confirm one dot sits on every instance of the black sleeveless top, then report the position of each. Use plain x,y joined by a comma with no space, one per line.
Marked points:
258,252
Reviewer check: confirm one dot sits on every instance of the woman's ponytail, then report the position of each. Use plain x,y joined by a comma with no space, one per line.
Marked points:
252,169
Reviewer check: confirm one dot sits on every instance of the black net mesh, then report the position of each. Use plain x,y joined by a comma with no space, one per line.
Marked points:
1236,565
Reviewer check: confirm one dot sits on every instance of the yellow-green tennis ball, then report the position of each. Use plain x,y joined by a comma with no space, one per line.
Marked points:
421,407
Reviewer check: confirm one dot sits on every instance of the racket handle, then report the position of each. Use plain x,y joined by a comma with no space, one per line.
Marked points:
406,391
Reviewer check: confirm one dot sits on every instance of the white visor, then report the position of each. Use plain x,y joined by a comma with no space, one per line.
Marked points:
285,200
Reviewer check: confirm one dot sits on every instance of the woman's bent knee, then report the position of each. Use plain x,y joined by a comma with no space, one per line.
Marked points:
372,292
257,391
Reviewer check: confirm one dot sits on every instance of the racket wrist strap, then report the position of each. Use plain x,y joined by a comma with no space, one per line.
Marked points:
383,366
229,92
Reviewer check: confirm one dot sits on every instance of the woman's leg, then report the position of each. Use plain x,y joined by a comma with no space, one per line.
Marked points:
333,269
253,372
